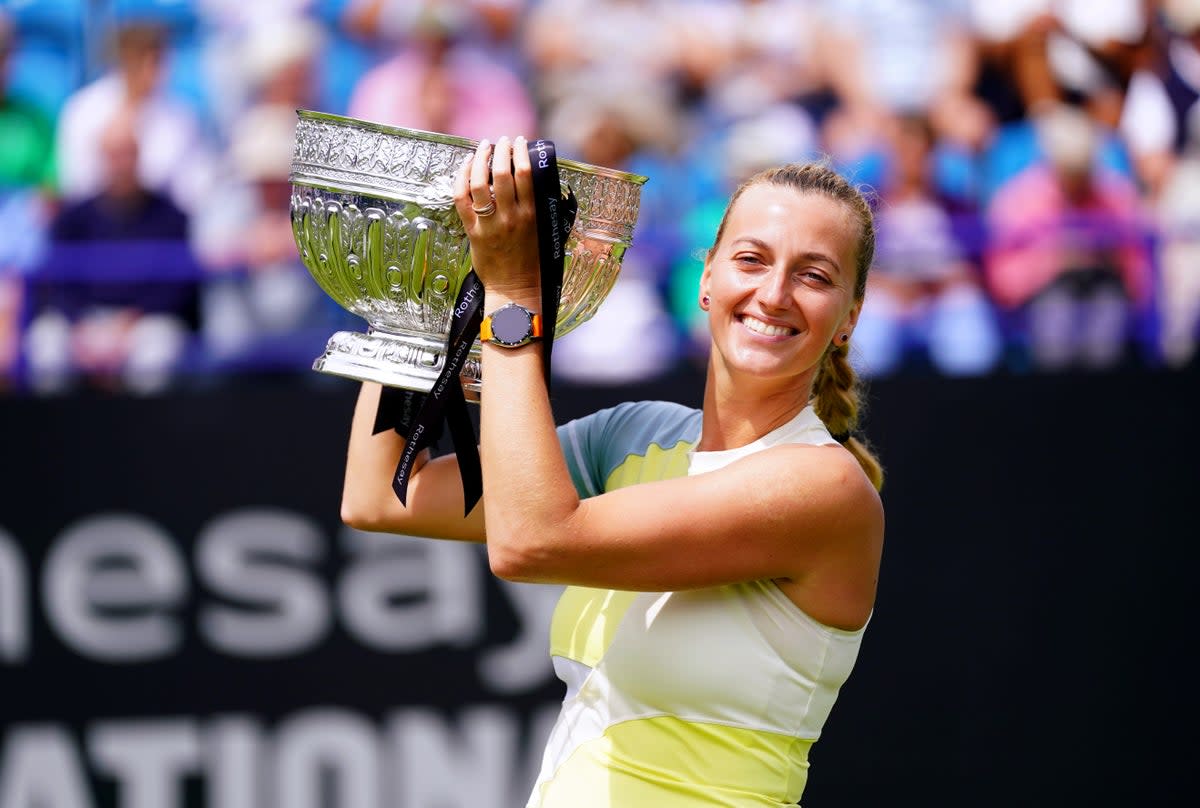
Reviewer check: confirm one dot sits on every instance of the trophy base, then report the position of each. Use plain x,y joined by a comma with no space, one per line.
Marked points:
411,361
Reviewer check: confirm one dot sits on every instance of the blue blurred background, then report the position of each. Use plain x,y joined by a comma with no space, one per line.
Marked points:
1032,164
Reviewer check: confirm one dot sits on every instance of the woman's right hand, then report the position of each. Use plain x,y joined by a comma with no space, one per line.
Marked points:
493,193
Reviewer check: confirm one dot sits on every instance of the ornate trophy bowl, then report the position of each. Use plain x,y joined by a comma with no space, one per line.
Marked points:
374,219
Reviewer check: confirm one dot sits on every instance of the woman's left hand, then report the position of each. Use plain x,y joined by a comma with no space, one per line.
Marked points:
493,192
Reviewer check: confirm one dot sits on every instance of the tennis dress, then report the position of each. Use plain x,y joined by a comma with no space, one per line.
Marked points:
708,697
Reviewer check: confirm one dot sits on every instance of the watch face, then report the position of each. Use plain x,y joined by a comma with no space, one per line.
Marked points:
511,325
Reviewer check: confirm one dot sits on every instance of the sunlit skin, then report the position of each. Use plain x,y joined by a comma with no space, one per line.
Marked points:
785,266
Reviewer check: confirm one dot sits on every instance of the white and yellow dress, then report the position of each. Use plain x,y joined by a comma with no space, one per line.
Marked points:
708,697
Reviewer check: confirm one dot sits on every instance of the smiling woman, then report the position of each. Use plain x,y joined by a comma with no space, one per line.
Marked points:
803,239
721,564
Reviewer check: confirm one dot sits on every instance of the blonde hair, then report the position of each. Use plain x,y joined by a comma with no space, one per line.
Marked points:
836,391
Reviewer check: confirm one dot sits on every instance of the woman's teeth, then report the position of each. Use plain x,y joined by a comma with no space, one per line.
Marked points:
766,329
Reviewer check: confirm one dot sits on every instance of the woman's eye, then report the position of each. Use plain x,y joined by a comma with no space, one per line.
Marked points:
748,259
815,276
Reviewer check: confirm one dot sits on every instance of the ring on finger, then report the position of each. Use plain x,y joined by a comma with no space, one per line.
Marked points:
486,210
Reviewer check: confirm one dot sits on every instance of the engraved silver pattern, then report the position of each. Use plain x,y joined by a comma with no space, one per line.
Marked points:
374,220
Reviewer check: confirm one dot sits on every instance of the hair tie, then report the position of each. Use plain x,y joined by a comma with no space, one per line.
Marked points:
842,437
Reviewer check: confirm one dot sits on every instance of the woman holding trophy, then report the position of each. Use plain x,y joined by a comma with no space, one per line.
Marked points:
720,564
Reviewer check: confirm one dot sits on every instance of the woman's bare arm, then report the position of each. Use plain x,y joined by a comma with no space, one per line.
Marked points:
778,514
435,497
785,513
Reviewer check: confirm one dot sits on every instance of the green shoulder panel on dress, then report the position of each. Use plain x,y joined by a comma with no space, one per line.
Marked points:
630,443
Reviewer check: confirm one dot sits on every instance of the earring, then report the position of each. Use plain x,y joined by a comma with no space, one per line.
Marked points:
704,302
844,338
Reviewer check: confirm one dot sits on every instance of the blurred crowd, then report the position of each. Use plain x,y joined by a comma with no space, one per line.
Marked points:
1034,166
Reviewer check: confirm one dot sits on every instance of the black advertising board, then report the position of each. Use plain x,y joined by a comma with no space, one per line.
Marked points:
185,622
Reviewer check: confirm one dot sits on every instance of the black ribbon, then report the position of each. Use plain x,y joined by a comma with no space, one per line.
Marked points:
555,216
419,416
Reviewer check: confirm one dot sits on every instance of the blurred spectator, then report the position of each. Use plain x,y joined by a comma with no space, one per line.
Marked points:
1163,94
393,20
116,300
26,135
893,56
261,53
746,55
259,302
1037,54
261,307
692,94
1077,51
1178,208
924,295
175,157
26,173
1001,53
780,133
237,13
492,25
279,61
1068,249
240,14
631,336
23,222
441,80
576,45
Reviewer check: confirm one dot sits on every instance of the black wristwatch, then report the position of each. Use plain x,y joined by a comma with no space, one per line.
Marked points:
511,326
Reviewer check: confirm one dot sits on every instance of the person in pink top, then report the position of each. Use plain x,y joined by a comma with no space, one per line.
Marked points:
1068,251
439,80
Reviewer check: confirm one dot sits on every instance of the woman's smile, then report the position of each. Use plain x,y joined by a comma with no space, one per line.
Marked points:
765,328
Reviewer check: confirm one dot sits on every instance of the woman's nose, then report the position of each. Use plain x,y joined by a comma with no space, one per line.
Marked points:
774,290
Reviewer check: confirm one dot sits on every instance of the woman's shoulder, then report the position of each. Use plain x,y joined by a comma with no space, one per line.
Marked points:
834,471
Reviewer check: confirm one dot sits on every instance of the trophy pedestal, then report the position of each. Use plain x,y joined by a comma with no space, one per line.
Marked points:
410,361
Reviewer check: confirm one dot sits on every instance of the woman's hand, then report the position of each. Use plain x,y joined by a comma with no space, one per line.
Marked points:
500,217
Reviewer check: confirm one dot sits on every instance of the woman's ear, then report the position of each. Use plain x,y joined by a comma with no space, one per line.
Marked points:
852,317
847,326
705,279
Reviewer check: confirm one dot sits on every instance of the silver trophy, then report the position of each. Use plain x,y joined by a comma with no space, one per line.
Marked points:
373,215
